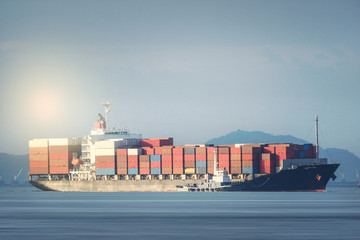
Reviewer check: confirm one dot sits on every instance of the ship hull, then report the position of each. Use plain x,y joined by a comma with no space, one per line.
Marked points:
303,178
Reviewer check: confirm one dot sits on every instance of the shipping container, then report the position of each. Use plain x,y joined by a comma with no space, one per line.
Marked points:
59,170
105,171
38,151
104,152
155,158
189,170
189,151
201,170
39,170
134,151
200,164
105,158
155,170
178,170
122,152
133,171
166,170
144,170
178,151
105,165
249,170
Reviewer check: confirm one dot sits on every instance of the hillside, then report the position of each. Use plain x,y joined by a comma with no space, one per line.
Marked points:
349,161
10,166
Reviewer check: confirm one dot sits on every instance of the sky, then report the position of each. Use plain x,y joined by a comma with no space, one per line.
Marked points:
192,70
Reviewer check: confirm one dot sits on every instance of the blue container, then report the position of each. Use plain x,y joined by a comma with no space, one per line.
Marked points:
249,170
155,170
105,171
133,171
301,154
200,164
306,147
155,158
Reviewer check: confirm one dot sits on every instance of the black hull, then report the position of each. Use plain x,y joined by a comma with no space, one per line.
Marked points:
303,178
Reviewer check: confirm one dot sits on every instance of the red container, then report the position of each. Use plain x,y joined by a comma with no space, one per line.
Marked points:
166,151
224,157
38,151
235,150
265,156
248,149
269,149
133,158
166,164
105,165
39,158
178,158
235,164
189,164
235,170
59,163
210,167
133,164
144,164
200,157
122,171
39,170
168,158
166,170
58,156
178,151
224,164
155,164
59,170
41,164
224,150
235,157
144,158
122,152
178,170
200,151
158,151
189,158
249,156
104,158
178,164
144,170
210,152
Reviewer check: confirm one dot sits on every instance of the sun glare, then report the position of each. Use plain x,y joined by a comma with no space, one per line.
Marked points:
46,106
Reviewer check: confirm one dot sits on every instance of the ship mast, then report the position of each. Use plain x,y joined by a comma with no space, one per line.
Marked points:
317,137
107,110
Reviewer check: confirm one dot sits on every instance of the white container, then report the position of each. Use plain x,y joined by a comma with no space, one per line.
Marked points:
134,151
62,141
239,145
105,152
112,143
39,143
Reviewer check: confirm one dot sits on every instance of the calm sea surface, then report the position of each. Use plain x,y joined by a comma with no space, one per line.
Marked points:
28,213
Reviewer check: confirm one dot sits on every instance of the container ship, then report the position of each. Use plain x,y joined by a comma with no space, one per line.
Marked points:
110,160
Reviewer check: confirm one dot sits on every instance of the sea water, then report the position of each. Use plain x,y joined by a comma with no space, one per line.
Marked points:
29,213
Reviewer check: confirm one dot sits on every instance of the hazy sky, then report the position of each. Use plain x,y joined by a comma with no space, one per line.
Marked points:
192,70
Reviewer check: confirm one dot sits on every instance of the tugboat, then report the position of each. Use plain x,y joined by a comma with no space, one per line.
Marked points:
220,182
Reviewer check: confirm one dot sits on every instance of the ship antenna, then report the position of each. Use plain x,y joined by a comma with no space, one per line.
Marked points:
317,136
107,110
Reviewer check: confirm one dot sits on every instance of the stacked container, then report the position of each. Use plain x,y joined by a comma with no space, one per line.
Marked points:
235,160
121,161
144,164
133,160
250,159
267,163
210,159
224,158
178,160
156,142
155,164
189,160
166,160
200,160
61,153
105,157
39,156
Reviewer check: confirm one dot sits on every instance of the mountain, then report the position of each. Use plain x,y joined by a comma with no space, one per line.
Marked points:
10,165
349,161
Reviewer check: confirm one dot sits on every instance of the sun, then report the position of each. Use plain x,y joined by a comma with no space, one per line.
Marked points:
46,106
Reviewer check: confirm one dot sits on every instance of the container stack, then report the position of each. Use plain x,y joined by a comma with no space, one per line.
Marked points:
61,153
235,160
105,157
156,142
224,158
210,159
121,161
250,159
39,156
155,164
133,160
144,164
200,160
178,160
267,163
189,160
166,160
